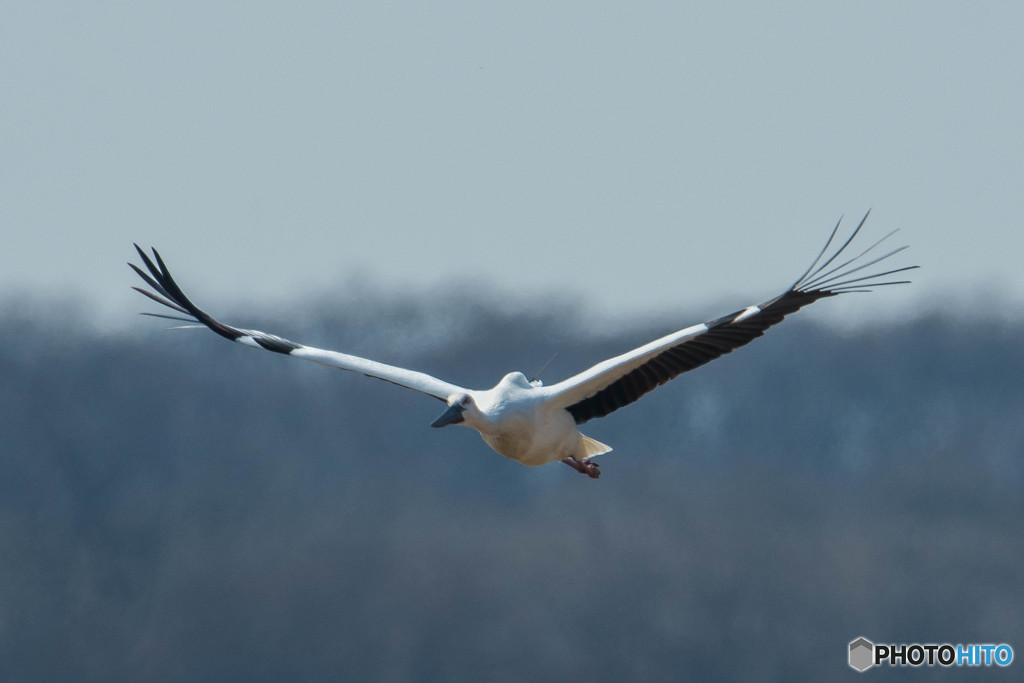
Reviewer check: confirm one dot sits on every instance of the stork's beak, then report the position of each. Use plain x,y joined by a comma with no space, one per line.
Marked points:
451,416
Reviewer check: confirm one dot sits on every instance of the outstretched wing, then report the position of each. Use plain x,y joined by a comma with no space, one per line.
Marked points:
167,292
621,380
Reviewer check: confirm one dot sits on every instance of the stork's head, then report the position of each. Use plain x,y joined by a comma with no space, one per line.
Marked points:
459,406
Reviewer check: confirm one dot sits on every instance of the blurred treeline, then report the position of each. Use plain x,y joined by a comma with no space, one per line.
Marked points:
174,507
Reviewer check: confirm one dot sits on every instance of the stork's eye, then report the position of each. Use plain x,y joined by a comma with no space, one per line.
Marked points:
466,401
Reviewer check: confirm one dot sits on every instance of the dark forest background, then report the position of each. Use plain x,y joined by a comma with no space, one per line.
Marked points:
174,507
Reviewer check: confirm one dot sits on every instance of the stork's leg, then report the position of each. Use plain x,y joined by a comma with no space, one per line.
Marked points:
587,467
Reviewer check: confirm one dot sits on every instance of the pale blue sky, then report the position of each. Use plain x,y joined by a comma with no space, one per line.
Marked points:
638,156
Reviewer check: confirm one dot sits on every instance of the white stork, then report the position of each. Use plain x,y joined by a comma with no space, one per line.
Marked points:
535,424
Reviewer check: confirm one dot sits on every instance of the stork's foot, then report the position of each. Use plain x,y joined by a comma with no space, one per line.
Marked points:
587,467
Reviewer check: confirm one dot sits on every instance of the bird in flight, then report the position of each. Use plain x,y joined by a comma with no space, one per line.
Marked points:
535,424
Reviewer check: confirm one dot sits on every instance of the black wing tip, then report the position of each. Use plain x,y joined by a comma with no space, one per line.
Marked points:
160,280
167,293
819,279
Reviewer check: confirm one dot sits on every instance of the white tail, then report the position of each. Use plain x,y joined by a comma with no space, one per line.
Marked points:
592,447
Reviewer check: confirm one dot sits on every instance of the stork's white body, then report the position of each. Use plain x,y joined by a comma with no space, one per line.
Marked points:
521,422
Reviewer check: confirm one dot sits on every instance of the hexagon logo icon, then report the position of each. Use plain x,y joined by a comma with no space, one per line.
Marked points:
862,654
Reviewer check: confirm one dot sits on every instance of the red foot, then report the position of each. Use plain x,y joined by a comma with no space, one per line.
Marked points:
587,467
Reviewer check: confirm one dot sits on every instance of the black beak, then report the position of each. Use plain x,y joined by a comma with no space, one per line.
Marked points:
452,416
